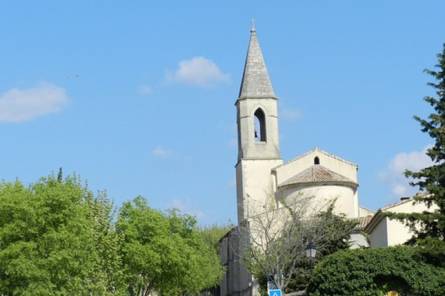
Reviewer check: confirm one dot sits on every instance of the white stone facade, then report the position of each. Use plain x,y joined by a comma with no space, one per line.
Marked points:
264,179
262,176
322,177
385,232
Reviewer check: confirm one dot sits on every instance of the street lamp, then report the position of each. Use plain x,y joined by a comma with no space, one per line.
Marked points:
311,251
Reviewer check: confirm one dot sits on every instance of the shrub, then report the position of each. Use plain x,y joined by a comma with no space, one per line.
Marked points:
369,272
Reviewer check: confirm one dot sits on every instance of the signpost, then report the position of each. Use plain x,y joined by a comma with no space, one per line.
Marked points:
275,292
272,287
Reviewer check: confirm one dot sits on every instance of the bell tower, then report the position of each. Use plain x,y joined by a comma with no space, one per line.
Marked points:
258,135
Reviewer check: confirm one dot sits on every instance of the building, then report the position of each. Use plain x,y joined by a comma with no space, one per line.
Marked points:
384,232
264,178
261,173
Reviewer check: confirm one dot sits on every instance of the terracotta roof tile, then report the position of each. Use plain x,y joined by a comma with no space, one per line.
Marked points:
363,221
317,174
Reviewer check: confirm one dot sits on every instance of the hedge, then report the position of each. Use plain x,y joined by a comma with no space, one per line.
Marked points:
372,272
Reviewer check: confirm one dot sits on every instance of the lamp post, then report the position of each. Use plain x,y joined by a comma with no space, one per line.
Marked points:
311,251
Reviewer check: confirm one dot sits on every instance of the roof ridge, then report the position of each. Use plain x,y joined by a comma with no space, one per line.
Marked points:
314,150
398,203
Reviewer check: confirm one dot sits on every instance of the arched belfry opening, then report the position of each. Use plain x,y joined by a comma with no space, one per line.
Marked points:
260,126
316,160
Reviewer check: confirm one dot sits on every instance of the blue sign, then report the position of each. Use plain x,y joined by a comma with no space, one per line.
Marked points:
275,292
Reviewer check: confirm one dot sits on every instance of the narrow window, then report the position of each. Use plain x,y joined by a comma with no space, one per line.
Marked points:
316,160
260,126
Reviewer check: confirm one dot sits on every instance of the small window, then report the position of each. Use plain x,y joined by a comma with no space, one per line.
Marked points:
316,160
260,126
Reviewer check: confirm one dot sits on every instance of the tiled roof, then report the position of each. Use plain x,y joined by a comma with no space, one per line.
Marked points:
363,221
381,212
400,202
380,215
317,174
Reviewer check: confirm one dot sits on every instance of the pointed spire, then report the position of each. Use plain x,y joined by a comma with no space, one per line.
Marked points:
255,82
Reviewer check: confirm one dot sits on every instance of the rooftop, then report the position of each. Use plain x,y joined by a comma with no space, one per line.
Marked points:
255,82
318,174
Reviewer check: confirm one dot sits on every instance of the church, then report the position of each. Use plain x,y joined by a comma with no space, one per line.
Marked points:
260,170
264,178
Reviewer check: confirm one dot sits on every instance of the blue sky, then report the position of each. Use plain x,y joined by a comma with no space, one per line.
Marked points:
138,96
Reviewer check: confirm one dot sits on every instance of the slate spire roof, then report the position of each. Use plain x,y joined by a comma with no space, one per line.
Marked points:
255,82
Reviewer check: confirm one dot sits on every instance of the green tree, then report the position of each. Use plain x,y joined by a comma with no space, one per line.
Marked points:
60,175
277,245
164,252
330,234
58,238
431,180
48,242
374,272
110,265
213,233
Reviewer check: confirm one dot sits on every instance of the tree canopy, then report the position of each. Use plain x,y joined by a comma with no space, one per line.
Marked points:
164,252
51,241
58,238
213,233
431,180
277,245
374,272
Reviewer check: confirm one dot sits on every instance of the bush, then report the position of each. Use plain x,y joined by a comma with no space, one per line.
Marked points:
369,272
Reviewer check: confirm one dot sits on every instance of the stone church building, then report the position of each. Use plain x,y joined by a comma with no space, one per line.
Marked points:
263,177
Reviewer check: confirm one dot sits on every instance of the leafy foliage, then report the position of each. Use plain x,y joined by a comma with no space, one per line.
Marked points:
374,272
49,242
278,245
431,180
107,244
58,238
213,233
333,233
164,253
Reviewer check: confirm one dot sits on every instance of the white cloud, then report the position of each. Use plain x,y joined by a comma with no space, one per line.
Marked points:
393,175
18,105
161,152
198,71
145,90
290,114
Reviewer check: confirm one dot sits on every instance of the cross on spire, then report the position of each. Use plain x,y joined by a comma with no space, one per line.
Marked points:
252,28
